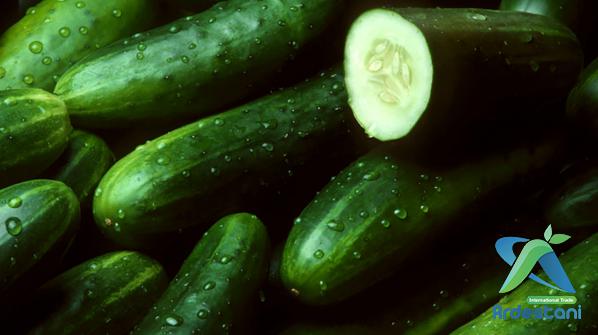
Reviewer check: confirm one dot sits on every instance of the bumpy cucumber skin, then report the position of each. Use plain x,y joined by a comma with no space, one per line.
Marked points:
82,165
105,295
192,66
582,104
74,29
48,211
579,263
34,130
489,63
575,205
319,264
221,278
171,182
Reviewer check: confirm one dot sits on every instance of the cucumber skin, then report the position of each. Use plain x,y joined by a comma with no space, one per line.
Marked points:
85,160
582,104
566,11
49,214
205,159
243,238
34,131
472,55
576,263
574,206
238,45
376,185
102,28
119,287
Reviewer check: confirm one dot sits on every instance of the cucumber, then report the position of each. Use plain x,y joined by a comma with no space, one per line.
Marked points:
35,216
55,34
217,285
574,205
423,71
192,66
217,165
377,211
576,263
34,130
105,295
582,104
566,11
82,165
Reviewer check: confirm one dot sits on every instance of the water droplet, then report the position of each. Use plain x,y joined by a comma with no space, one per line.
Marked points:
15,202
163,161
534,66
444,293
174,29
282,23
385,223
356,255
64,32
36,47
80,4
98,192
28,79
371,176
297,221
31,11
424,177
141,46
120,213
186,173
268,146
13,226
47,60
203,313
2,72
400,213
173,320
209,285
323,285
336,226
117,13
424,208
192,46
83,30
270,124
319,254
258,41
364,214
225,259
479,17
219,122
140,56
185,59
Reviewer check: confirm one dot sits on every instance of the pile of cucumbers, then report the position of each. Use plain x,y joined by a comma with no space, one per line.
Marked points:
292,166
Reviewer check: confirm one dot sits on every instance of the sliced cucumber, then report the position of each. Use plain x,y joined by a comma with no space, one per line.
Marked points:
447,63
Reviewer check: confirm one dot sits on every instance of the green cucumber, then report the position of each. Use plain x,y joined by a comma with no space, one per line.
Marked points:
34,130
579,264
171,182
377,211
423,71
582,104
35,216
82,165
55,34
105,295
192,66
218,283
566,11
575,204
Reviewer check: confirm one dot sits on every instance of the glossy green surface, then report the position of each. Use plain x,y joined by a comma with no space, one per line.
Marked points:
82,165
34,130
34,216
192,66
217,287
582,105
54,34
105,295
376,213
211,167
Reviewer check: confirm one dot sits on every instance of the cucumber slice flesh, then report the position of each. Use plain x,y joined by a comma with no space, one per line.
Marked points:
389,73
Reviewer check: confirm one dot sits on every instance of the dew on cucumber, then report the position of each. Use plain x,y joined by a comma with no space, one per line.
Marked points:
336,226
80,4
319,254
534,65
424,208
401,213
268,146
478,17
64,32
173,320
36,47
203,314
140,56
14,226
47,60
356,255
28,79
185,59
370,176
209,285
385,223
323,285
141,46
364,214
117,13
15,202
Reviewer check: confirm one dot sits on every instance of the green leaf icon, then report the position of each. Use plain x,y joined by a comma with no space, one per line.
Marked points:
558,238
548,233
